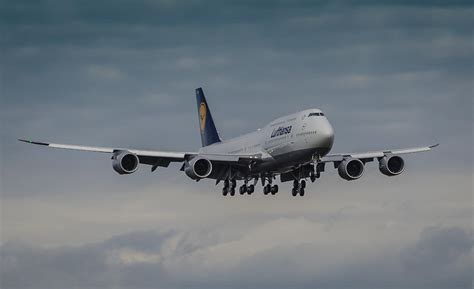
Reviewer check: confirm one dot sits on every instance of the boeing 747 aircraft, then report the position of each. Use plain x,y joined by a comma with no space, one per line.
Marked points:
294,148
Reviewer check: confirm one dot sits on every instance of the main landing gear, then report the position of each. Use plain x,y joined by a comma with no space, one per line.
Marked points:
298,188
249,189
229,188
230,185
269,189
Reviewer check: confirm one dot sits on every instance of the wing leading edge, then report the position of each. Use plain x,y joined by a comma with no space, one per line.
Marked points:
149,157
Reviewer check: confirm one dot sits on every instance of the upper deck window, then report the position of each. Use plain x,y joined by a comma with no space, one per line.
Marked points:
316,114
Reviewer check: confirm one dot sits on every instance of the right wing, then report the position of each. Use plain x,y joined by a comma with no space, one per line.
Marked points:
148,157
158,158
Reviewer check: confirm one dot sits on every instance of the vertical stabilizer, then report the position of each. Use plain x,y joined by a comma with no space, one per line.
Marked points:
207,127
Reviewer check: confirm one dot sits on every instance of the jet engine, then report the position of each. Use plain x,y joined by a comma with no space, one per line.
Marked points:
351,169
125,162
198,168
391,165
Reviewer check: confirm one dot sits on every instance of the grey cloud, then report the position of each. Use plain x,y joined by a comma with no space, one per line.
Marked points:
182,260
437,253
26,267
175,12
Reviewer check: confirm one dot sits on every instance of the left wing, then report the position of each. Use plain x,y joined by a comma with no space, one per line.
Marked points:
369,156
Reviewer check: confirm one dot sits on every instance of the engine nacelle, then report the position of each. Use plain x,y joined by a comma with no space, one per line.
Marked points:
391,165
351,169
125,162
198,168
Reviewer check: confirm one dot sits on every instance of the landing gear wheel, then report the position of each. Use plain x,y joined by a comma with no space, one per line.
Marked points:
294,192
232,191
250,189
296,183
312,177
224,191
267,189
303,184
243,189
301,191
274,189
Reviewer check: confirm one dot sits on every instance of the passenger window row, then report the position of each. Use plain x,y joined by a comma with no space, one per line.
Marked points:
306,133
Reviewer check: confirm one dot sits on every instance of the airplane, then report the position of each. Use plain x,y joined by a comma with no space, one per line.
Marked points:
294,147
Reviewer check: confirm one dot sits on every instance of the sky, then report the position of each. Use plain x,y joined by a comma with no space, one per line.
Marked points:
388,74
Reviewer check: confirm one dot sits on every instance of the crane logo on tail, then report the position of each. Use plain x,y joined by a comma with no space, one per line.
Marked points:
202,115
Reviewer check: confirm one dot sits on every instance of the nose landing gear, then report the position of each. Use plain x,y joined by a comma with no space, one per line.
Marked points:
313,176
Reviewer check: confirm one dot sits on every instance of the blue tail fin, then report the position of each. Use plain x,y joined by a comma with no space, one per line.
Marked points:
207,127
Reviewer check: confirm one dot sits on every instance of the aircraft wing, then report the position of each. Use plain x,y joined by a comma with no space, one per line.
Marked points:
369,156
149,157
156,158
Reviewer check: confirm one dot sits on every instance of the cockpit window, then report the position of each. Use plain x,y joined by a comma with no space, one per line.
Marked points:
316,114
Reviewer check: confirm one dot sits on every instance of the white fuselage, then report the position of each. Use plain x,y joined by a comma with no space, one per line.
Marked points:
286,142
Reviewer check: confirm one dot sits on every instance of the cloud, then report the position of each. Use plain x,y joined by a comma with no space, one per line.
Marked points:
397,206
438,252
106,73
266,257
341,233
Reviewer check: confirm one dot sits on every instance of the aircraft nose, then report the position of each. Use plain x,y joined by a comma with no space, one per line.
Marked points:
327,135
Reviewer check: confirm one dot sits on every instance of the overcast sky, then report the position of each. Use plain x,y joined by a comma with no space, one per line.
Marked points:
388,74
